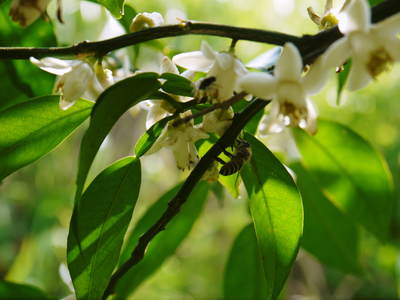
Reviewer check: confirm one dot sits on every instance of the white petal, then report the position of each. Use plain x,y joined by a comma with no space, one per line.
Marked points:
224,60
337,53
261,85
355,17
316,77
76,82
53,65
290,64
389,26
207,50
392,46
240,68
270,123
312,114
167,66
189,74
194,60
359,76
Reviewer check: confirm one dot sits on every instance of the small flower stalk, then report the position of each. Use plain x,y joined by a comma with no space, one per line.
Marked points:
289,92
25,12
76,78
372,47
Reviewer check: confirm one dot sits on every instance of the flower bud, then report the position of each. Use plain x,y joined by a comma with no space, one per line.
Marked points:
25,12
146,20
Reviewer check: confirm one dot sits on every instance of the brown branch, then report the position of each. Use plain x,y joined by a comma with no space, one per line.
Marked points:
176,203
310,45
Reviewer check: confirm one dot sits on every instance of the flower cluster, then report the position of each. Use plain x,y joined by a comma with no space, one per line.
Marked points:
371,47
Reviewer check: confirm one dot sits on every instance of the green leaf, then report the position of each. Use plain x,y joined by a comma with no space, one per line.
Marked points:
351,173
177,85
166,242
277,212
374,2
342,79
116,7
31,129
147,140
329,235
98,226
244,274
126,19
15,291
110,106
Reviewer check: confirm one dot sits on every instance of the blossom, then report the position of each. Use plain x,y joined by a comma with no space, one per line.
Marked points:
25,12
217,121
159,109
328,19
224,66
372,47
76,78
289,90
180,139
146,20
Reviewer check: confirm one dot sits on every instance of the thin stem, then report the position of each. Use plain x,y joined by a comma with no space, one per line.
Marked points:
176,203
207,110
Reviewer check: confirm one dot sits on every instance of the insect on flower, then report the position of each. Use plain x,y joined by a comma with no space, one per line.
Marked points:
237,160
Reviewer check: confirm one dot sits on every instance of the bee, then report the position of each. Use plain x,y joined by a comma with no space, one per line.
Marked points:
206,89
237,160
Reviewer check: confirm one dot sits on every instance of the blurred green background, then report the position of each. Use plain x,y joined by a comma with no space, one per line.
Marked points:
36,202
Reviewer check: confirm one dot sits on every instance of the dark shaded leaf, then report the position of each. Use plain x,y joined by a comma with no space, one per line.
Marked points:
329,235
166,242
147,140
277,212
177,85
351,173
110,106
116,7
31,129
244,274
98,226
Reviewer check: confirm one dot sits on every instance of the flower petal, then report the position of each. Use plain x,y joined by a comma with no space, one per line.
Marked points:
355,17
262,85
290,64
337,53
316,77
359,76
224,60
194,60
76,82
389,26
207,51
312,114
54,65
167,66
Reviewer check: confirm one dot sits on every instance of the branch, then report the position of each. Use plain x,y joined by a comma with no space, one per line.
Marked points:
195,176
310,45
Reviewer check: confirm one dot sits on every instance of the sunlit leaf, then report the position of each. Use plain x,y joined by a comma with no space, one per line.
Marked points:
341,80
31,129
98,225
110,106
177,85
351,173
147,140
16,291
277,212
244,273
328,234
116,7
374,2
166,242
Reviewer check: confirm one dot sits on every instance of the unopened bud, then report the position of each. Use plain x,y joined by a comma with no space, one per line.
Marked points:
25,12
146,20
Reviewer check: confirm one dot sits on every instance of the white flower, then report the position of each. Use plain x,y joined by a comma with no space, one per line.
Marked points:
181,140
372,48
217,121
159,109
76,78
146,20
224,66
25,12
328,19
288,90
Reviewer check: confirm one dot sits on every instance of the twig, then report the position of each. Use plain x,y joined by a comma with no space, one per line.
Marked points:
207,110
175,204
